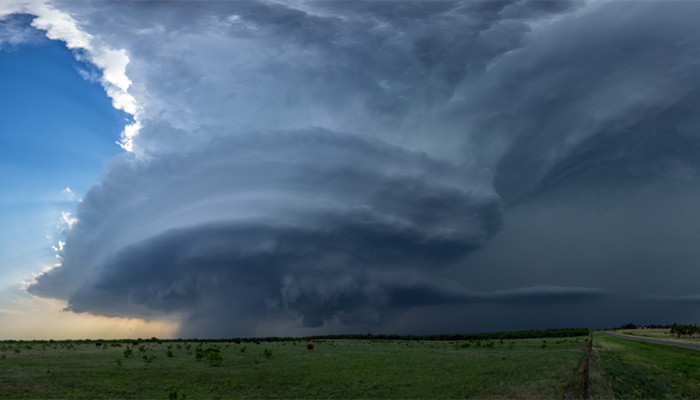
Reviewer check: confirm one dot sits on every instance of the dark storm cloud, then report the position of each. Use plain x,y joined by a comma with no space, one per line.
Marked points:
592,124
604,95
692,300
314,224
435,295
579,115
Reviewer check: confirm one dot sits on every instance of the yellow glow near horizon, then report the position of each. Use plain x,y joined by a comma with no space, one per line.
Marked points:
34,318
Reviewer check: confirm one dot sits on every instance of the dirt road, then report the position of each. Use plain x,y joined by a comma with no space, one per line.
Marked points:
660,341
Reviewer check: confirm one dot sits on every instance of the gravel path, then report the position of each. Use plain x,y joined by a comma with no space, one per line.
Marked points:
660,341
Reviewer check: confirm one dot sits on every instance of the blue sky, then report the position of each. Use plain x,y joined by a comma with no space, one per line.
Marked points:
58,130
302,167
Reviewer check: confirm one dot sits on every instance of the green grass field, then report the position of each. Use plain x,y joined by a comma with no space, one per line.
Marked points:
633,369
526,368
657,334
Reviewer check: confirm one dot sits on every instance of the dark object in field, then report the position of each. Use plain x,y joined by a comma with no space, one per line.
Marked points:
135,343
310,347
98,344
160,342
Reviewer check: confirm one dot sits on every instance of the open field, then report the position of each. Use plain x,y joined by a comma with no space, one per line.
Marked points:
524,368
633,369
657,334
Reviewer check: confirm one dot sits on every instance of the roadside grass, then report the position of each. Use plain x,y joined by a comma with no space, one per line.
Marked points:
636,369
526,368
657,334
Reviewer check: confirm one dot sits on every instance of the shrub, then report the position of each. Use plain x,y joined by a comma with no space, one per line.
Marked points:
214,358
211,354
128,353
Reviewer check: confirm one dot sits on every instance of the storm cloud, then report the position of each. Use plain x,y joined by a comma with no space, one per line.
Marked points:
315,223
337,165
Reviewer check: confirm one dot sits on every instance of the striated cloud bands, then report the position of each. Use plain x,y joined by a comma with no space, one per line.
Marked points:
325,164
313,223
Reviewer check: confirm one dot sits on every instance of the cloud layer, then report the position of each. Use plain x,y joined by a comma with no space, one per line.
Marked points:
314,223
333,164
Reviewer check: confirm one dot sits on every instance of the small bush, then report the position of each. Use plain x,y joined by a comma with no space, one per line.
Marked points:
169,353
211,354
214,358
128,353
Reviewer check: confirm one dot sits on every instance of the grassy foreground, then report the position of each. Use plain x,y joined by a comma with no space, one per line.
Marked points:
634,369
526,368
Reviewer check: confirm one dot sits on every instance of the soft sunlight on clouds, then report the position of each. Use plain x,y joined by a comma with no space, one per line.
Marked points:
68,219
60,25
27,317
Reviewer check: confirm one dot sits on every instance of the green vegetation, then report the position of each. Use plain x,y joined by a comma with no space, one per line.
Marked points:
664,333
635,369
340,368
684,330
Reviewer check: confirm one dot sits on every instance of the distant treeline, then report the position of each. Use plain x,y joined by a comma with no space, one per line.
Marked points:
679,330
635,326
684,330
532,334
548,333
